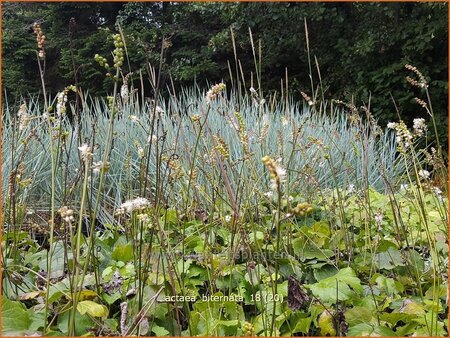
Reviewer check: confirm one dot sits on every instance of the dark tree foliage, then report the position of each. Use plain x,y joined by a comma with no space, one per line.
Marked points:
361,48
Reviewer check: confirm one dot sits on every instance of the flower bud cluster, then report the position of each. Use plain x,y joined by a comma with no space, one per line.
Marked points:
23,116
404,137
62,99
100,166
40,39
421,83
129,206
303,209
277,173
66,214
419,126
221,146
118,52
248,329
101,61
214,92
85,152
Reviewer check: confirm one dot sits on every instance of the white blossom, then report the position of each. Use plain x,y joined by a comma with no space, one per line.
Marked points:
61,103
152,139
378,218
438,193
419,126
129,206
23,116
99,166
268,194
281,172
66,214
351,189
124,92
141,152
214,92
425,174
85,151
134,118
159,110
392,125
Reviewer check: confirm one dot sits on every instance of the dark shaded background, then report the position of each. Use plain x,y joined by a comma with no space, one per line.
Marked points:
361,47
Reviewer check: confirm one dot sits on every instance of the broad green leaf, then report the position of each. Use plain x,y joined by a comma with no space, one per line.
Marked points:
159,330
110,299
326,325
87,294
394,317
440,291
412,308
123,253
30,295
58,259
324,272
234,322
360,330
357,315
82,323
37,320
302,325
170,217
389,259
309,250
183,264
384,331
107,273
111,324
197,271
389,285
369,330
407,329
15,318
337,287
92,308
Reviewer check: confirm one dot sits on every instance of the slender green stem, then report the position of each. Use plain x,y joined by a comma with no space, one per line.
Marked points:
75,293
277,263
